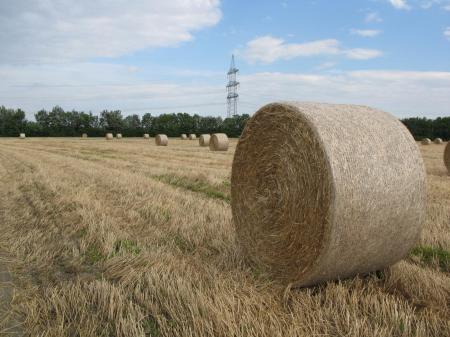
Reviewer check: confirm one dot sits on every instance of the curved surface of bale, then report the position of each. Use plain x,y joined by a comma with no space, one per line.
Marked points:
426,141
161,140
310,205
109,136
218,142
184,136
204,140
22,136
119,136
146,136
438,141
192,136
447,156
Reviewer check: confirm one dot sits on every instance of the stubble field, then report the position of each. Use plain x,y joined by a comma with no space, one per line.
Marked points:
123,238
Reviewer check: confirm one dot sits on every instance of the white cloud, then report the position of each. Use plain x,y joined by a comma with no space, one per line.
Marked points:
447,33
399,4
373,17
67,30
363,54
268,49
366,32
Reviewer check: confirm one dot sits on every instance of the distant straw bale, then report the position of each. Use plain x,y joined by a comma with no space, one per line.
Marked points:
146,136
204,140
22,136
426,141
119,136
109,136
219,142
183,136
310,205
438,141
192,136
161,140
84,135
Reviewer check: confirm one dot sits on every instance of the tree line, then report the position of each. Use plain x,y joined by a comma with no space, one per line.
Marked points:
60,123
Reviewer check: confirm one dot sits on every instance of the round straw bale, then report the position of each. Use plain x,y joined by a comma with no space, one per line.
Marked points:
161,140
426,141
22,136
109,136
192,136
146,136
311,205
204,140
447,156
119,136
438,141
218,142
84,135
184,136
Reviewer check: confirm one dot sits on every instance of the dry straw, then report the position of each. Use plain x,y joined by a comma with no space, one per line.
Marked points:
119,136
146,136
204,140
426,141
447,156
310,205
219,142
438,141
161,140
22,136
192,136
109,136
184,137
84,135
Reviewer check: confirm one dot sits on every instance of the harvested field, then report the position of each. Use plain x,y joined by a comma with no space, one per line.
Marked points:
131,239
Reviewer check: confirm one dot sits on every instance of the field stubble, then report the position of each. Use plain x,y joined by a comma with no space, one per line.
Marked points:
123,238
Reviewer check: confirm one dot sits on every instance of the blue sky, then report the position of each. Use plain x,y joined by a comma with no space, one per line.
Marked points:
151,56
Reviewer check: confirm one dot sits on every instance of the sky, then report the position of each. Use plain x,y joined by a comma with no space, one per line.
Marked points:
168,56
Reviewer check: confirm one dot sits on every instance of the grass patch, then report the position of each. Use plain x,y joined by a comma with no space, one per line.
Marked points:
197,185
151,327
94,255
125,246
431,255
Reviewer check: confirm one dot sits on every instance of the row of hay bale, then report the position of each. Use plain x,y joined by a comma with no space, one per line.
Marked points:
310,205
216,141
427,141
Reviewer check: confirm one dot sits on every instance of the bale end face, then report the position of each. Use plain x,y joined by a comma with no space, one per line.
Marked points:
219,142
161,140
204,140
447,156
310,205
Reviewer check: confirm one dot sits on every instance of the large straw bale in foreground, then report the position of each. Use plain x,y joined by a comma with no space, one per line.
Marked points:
161,140
322,192
219,142
22,136
204,140
146,136
447,156
426,141
109,136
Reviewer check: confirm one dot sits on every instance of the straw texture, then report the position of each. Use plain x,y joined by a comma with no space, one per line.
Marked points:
146,136
219,142
447,156
184,137
204,140
426,141
109,136
22,136
192,136
322,192
161,140
438,141
119,136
